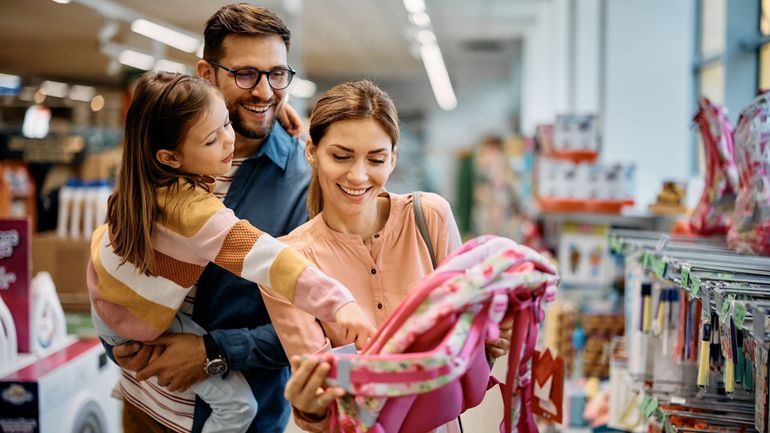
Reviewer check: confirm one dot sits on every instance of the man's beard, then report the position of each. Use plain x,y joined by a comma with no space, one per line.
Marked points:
247,132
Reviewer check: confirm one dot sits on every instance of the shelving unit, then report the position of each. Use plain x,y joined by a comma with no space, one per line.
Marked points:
736,291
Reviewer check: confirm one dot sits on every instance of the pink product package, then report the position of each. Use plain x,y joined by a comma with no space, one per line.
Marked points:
714,209
750,229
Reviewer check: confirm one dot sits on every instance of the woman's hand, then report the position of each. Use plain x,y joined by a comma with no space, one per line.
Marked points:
500,347
290,120
303,390
356,326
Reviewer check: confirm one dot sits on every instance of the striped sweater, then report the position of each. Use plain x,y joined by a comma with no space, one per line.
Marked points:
195,228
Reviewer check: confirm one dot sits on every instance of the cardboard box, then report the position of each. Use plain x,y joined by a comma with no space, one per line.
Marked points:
65,260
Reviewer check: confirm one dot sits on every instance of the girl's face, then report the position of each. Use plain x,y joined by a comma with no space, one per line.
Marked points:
207,148
354,160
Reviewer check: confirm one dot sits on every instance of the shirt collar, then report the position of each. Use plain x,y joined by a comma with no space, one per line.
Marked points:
275,146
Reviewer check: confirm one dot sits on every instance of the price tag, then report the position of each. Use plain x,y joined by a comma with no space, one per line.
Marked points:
647,258
684,276
649,408
660,268
695,286
739,313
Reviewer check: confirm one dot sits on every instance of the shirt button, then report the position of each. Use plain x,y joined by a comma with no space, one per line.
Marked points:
374,271
376,235
379,305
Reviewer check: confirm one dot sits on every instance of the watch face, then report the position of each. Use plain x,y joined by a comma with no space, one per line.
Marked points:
216,367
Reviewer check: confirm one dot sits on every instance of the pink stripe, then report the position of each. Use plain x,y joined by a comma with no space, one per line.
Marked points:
320,294
122,321
202,247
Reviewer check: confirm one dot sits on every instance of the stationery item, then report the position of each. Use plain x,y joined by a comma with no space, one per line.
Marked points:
703,364
646,306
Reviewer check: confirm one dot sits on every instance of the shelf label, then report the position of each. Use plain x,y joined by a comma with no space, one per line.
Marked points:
694,286
739,313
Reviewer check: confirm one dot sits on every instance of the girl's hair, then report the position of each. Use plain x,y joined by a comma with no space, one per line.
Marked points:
164,107
357,100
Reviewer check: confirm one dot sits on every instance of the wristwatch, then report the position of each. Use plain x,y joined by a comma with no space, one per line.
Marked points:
216,365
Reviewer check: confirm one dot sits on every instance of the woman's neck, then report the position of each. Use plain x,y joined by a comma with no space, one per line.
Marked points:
365,224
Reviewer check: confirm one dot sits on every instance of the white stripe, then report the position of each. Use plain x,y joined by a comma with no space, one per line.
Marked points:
170,412
156,289
256,264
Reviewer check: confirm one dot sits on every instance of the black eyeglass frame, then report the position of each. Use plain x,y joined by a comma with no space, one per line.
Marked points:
235,73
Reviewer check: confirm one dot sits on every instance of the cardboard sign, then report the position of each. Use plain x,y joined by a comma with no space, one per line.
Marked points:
548,385
15,271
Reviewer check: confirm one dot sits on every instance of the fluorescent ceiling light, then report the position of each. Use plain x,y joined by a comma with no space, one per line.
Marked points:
414,6
54,88
425,37
136,59
82,93
170,66
302,88
64,2
438,77
166,35
420,19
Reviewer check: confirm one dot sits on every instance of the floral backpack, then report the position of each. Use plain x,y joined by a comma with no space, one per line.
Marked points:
427,362
714,210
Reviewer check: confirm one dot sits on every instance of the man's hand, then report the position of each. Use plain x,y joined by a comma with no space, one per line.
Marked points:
132,356
290,120
180,365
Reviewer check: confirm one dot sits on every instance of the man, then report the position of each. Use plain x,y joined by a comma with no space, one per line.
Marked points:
245,56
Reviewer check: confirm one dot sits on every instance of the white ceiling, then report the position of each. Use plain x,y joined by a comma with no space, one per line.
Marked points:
333,40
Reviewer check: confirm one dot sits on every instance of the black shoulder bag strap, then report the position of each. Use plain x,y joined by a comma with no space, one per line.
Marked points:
422,226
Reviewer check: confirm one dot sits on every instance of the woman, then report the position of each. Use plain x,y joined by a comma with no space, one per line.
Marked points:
358,233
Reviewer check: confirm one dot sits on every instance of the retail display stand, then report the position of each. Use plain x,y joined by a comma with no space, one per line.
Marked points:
698,333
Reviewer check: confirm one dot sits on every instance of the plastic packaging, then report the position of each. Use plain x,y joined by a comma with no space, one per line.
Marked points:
89,208
76,212
8,342
66,193
48,325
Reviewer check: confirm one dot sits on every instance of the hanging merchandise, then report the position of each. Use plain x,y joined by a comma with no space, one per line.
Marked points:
750,230
714,210
428,356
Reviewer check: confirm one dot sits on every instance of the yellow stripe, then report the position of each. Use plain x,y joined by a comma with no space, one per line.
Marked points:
285,271
157,316
191,210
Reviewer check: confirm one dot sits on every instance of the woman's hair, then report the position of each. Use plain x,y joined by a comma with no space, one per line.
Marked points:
163,108
356,100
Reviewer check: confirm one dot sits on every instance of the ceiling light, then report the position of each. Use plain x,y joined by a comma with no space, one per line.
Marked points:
414,6
438,76
420,19
166,35
64,2
425,37
136,59
82,93
302,88
170,66
54,88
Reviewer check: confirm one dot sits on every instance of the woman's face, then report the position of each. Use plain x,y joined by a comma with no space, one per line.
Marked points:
354,160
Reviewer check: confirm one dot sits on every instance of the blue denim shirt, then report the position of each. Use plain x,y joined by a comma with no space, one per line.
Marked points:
269,190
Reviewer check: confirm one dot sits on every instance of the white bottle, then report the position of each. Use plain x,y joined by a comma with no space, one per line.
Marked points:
104,190
8,342
78,194
65,203
89,207
48,326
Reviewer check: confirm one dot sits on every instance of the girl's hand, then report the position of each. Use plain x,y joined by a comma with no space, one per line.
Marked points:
290,120
356,326
303,390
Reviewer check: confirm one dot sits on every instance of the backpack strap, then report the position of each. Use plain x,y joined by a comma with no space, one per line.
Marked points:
422,226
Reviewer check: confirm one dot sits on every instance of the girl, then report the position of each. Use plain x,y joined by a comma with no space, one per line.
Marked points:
164,226
358,232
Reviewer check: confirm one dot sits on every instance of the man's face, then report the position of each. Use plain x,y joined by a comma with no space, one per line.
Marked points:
252,111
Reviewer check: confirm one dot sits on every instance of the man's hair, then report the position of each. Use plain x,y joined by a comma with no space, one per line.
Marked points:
241,19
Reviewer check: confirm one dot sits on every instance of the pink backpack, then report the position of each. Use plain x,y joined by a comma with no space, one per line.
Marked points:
715,207
427,362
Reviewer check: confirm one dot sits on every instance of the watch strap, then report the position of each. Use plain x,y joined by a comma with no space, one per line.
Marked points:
213,351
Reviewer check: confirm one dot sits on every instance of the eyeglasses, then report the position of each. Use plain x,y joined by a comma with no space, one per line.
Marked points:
248,78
